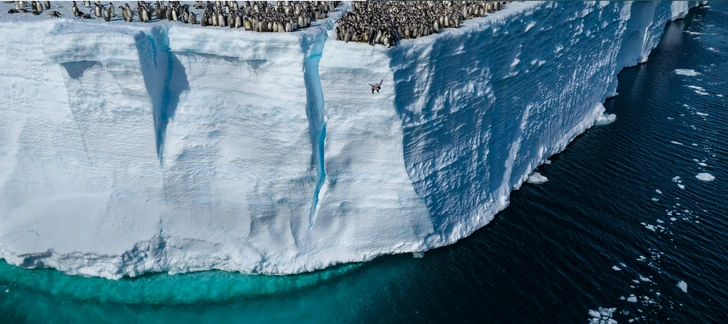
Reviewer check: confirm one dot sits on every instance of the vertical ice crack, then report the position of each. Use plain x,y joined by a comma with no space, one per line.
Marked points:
164,78
312,48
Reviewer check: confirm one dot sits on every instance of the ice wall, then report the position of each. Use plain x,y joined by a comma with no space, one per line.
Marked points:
127,148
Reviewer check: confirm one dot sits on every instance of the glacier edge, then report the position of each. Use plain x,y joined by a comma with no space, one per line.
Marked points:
427,152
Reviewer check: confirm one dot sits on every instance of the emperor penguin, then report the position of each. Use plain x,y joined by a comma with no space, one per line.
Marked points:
111,10
75,10
47,4
143,15
107,14
97,10
193,19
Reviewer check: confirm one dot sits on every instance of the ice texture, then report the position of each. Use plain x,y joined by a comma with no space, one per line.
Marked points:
537,178
686,72
705,176
132,148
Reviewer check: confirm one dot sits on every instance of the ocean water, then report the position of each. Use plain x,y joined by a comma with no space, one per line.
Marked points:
626,228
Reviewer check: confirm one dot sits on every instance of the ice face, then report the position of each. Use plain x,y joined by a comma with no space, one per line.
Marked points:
127,148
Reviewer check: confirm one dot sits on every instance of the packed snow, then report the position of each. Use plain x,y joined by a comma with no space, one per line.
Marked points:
128,148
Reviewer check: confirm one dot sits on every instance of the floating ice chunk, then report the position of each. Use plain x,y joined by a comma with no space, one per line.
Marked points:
670,118
605,119
696,88
719,95
7,291
547,162
673,219
616,268
676,143
537,178
705,177
418,255
650,227
623,265
645,279
702,164
594,313
655,199
701,114
658,191
683,286
632,299
686,72
681,186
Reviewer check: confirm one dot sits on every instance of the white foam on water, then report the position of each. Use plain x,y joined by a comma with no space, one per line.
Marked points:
683,286
537,178
705,177
686,72
701,114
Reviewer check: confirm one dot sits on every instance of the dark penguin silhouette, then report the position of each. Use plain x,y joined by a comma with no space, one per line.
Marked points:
376,86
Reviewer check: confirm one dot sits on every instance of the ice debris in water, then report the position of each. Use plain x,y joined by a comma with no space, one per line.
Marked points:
705,177
537,178
605,119
602,315
632,299
702,164
683,286
658,191
418,255
686,72
616,268
676,143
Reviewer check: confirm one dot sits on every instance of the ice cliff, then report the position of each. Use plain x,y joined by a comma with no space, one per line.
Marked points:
128,148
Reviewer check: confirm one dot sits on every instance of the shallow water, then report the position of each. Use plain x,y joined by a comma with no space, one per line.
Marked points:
611,226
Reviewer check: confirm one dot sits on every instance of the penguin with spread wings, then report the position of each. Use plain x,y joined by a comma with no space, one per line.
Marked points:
376,86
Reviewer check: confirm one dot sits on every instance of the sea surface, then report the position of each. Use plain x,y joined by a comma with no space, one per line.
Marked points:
623,230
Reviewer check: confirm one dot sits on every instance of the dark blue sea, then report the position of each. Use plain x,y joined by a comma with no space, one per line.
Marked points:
624,230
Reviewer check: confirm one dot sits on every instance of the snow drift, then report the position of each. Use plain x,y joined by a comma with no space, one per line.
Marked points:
128,148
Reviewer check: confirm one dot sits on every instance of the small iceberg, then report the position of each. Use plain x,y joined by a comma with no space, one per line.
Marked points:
686,72
705,177
537,178
683,286
605,119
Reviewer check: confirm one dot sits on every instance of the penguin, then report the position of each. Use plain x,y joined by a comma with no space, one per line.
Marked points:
376,86
107,14
193,18
75,10
47,4
143,15
13,11
54,14
112,14
97,10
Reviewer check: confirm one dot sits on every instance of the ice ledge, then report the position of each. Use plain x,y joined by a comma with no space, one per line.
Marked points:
174,253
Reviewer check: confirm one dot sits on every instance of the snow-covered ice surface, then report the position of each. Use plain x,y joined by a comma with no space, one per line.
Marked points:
129,148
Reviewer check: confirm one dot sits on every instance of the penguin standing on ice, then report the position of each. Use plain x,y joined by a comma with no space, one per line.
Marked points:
376,86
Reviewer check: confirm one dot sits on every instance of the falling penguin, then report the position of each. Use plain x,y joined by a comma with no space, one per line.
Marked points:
376,86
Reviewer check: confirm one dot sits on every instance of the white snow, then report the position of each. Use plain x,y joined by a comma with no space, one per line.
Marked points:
686,72
705,176
683,286
130,148
537,178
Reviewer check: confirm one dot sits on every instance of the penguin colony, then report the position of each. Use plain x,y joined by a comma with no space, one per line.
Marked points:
260,16
386,22
36,8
